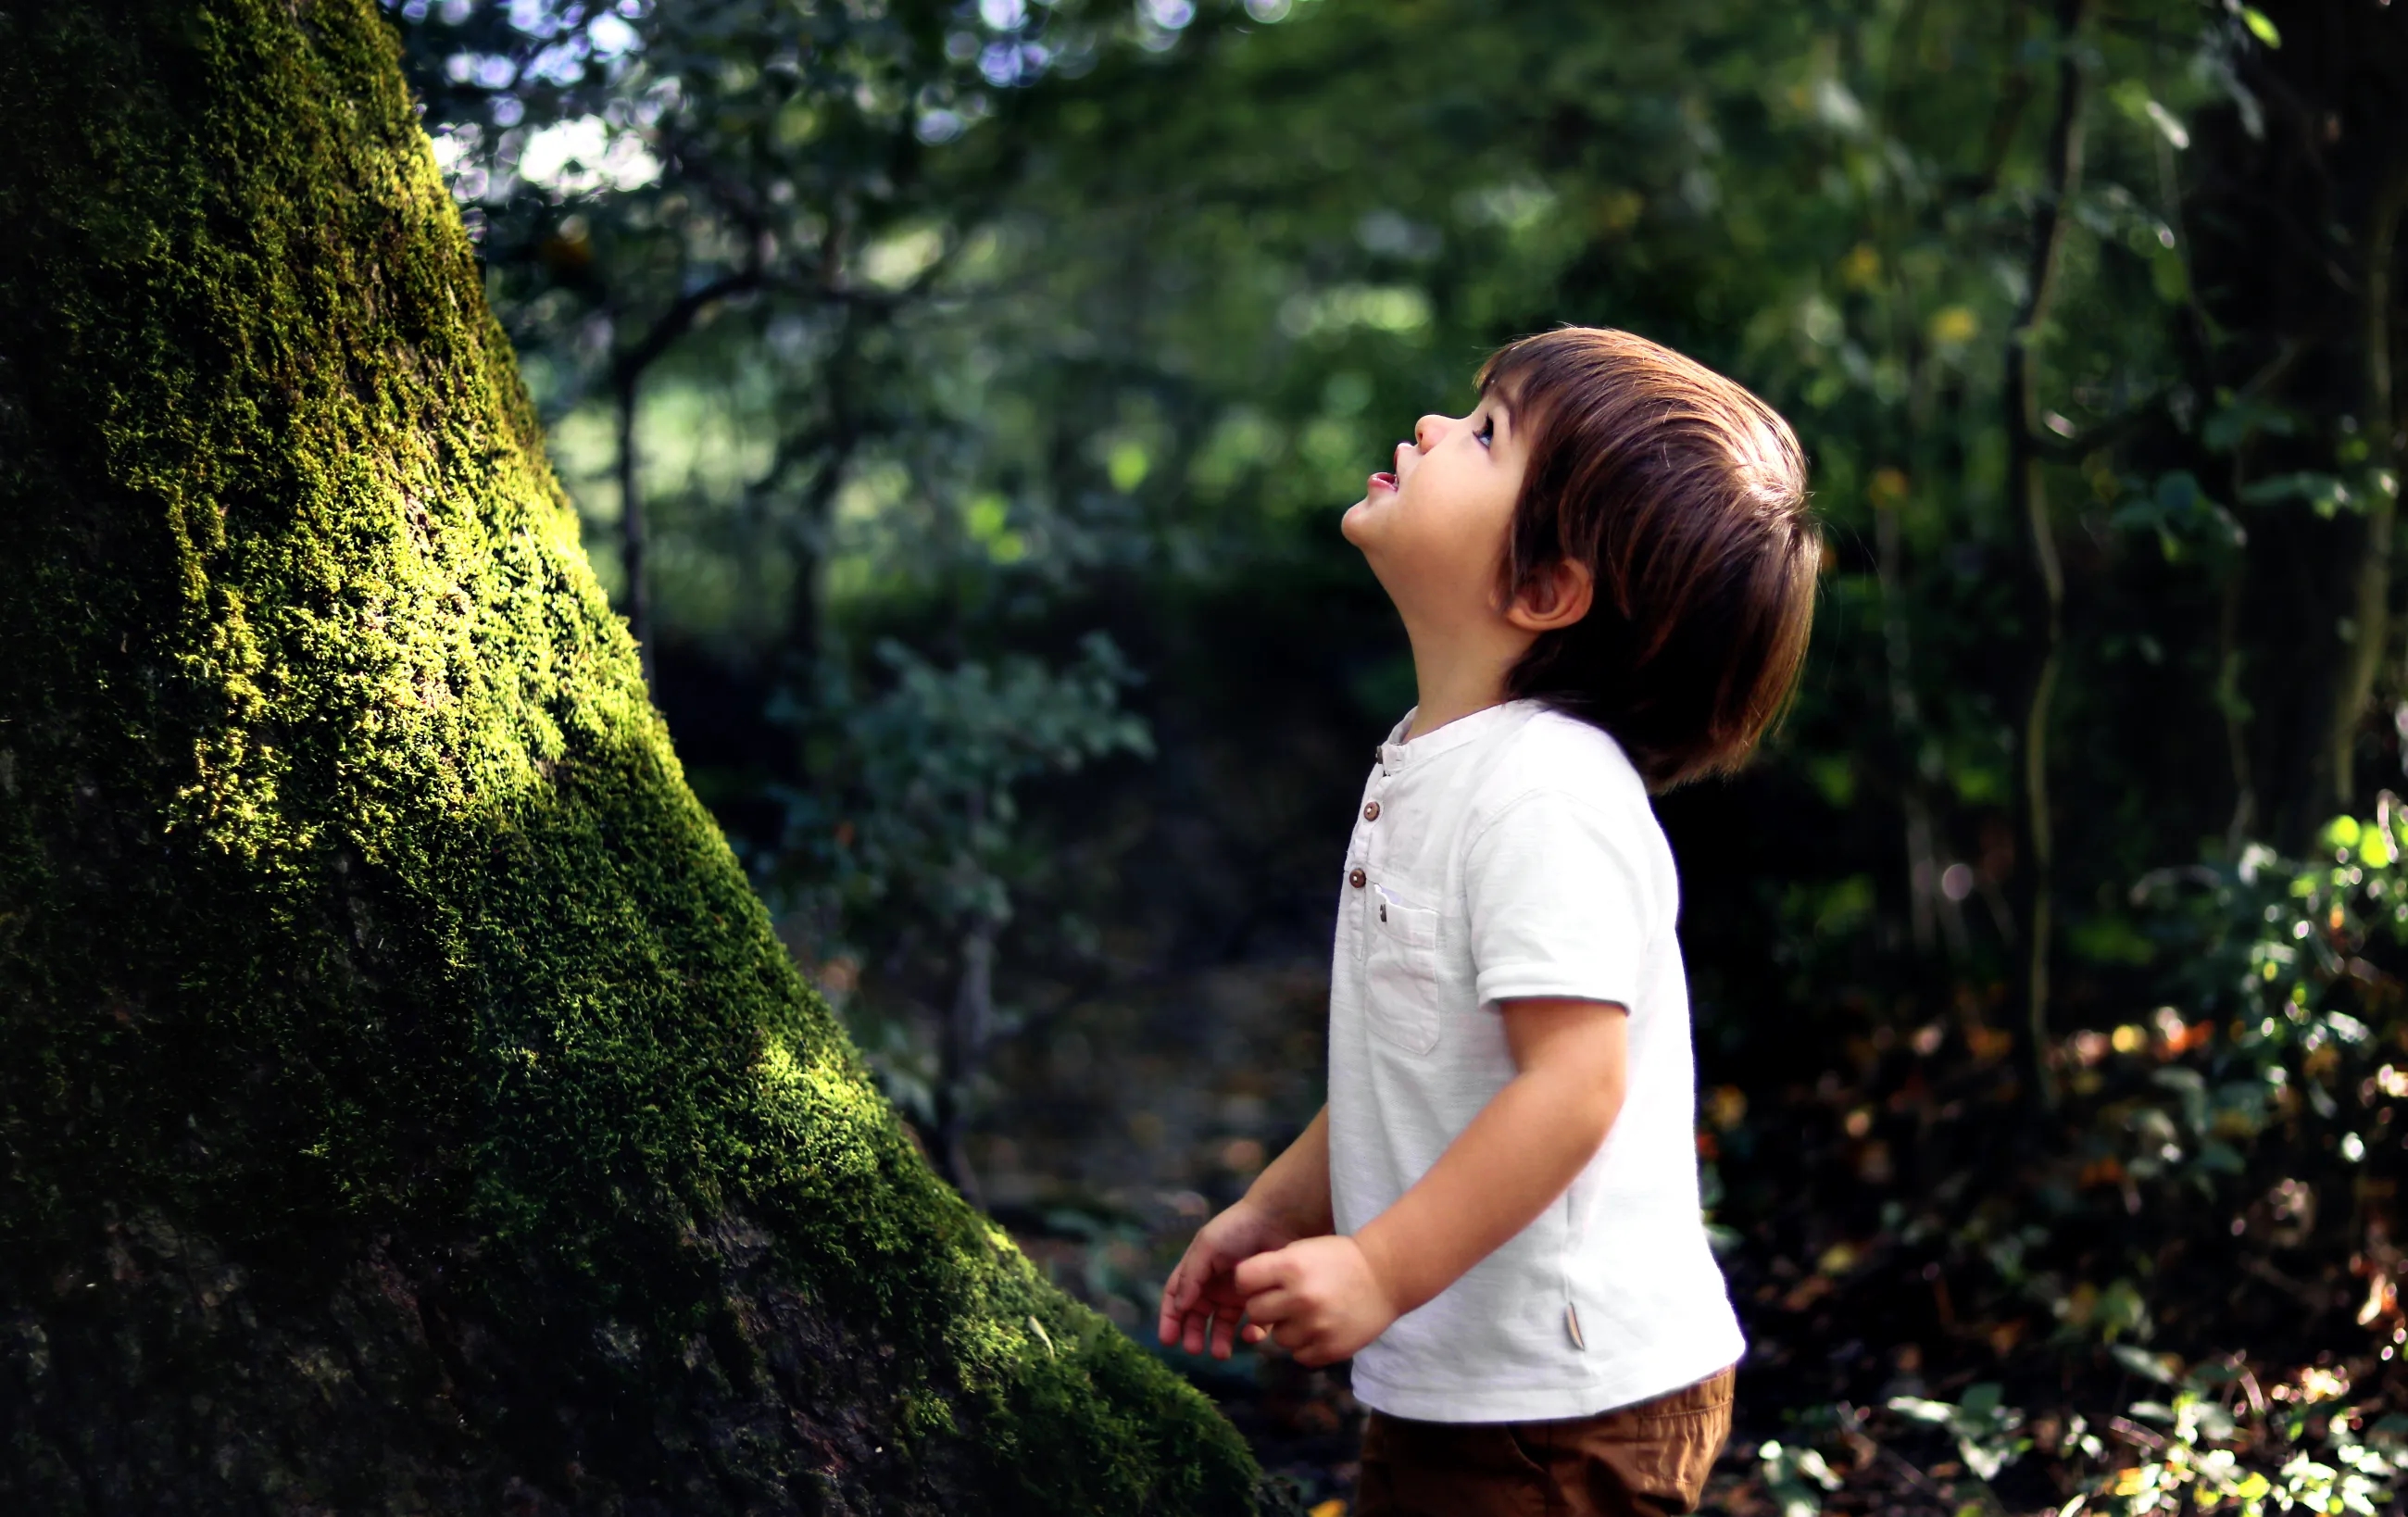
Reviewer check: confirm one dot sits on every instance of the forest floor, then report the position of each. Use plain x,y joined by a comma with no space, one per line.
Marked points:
1932,1288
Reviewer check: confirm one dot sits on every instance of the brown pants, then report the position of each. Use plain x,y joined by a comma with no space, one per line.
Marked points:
1648,1460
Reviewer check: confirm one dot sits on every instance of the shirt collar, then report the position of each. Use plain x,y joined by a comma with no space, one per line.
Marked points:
1396,754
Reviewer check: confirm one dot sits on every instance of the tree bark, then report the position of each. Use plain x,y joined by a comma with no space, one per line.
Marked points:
404,1103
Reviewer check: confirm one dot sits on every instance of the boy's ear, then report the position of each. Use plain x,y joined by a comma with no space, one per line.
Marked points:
1556,598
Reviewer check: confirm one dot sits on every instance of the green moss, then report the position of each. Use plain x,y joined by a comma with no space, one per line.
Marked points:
349,886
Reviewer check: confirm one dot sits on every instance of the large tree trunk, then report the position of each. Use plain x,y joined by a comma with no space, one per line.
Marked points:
404,1104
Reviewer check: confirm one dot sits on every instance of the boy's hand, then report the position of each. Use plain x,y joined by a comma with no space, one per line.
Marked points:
1201,1303
1319,1299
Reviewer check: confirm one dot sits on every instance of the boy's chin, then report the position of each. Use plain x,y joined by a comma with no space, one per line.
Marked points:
1359,522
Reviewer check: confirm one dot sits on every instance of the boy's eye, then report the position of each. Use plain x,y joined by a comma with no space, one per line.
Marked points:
1487,433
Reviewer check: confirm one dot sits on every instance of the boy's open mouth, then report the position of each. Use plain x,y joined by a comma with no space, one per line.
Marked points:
1384,480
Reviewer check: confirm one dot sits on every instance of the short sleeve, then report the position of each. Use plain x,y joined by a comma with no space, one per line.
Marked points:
1558,903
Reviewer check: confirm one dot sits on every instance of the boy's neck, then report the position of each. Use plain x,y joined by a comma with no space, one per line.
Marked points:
1457,675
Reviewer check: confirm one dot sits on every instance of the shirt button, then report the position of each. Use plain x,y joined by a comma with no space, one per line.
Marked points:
1357,878
1371,811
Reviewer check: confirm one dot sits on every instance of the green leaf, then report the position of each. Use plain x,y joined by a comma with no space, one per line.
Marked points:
2169,275
2260,26
2131,96
2234,419
2323,493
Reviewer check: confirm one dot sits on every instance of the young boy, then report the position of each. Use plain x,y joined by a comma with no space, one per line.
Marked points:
1607,573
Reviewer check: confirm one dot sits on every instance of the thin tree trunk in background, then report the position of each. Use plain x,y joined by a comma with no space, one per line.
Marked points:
626,384
1922,854
2230,706
2231,700
631,532
814,524
2028,488
1933,919
2006,116
969,1026
2371,590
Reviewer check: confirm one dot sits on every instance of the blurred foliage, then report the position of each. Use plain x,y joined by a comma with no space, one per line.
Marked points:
988,377
928,766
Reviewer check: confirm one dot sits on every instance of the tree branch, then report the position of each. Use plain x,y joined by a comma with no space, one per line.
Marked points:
679,320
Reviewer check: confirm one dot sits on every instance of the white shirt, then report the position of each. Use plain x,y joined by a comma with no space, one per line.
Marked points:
1511,853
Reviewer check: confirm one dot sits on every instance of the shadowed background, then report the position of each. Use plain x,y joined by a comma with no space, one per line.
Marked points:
960,399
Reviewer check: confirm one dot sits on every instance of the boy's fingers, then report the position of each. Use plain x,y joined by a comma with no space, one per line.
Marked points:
1271,1307
1178,1302
1261,1273
1225,1334
1167,1323
1214,1333
1186,1283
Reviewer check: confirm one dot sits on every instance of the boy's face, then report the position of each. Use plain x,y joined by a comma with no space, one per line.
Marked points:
1434,530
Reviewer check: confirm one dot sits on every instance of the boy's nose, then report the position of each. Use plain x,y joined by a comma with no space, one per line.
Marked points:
1427,430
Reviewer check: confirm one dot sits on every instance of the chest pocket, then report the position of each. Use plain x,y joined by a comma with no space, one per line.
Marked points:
1401,977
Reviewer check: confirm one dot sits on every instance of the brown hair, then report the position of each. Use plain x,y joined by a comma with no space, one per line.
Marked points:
1685,497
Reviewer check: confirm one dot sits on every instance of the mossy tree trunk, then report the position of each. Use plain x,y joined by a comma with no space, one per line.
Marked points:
404,1104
